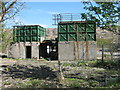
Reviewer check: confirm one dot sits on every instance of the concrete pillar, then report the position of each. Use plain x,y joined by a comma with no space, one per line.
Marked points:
22,50
35,50
92,52
82,50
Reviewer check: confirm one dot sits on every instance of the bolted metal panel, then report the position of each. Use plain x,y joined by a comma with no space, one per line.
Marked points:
90,37
62,28
81,27
63,37
82,37
90,27
28,33
28,39
71,27
77,31
72,37
21,38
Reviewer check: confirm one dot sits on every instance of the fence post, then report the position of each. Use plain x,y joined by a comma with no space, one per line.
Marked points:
102,54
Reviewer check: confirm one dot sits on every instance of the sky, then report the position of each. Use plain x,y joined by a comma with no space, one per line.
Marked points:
41,13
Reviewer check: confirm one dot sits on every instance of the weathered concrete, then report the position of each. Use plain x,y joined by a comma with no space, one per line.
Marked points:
66,51
14,51
18,50
92,50
77,50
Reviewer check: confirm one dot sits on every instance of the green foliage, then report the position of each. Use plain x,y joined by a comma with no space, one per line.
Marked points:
66,64
108,64
105,14
6,38
105,42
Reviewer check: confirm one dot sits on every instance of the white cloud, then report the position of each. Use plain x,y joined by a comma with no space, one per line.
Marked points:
52,12
43,25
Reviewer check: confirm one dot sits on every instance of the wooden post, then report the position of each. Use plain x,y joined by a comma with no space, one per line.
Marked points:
102,54
60,76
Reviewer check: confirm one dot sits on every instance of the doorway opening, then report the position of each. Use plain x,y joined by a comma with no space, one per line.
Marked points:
28,51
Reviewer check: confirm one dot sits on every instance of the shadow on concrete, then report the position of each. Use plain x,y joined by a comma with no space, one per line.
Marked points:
23,72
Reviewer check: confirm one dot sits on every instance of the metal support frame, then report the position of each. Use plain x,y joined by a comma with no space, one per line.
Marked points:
66,17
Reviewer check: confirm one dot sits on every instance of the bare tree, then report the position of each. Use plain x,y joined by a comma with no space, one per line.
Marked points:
9,9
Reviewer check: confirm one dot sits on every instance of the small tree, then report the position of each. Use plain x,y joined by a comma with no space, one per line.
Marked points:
105,14
9,9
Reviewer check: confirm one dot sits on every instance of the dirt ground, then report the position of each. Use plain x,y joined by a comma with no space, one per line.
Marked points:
16,72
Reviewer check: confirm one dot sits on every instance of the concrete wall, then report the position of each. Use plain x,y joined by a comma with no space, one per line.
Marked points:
77,50
66,51
14,51
18,50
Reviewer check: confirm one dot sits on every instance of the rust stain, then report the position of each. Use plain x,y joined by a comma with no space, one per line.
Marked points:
76,50
86,49
24,44
19,48
83,53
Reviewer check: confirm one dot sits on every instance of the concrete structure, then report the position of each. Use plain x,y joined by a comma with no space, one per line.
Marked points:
19,50
77,50
33,50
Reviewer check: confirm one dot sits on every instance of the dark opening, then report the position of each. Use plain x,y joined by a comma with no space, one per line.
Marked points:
28,51
49,50
43,50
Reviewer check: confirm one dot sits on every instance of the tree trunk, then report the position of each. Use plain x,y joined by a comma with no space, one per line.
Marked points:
60,76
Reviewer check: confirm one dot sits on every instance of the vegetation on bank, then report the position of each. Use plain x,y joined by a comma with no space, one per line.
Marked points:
78,74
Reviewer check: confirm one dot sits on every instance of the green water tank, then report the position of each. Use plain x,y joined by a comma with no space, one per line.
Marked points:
28,33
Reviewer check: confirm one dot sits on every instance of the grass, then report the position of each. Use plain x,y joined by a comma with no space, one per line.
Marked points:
81,63
79,82
33,83
108,64
76,83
